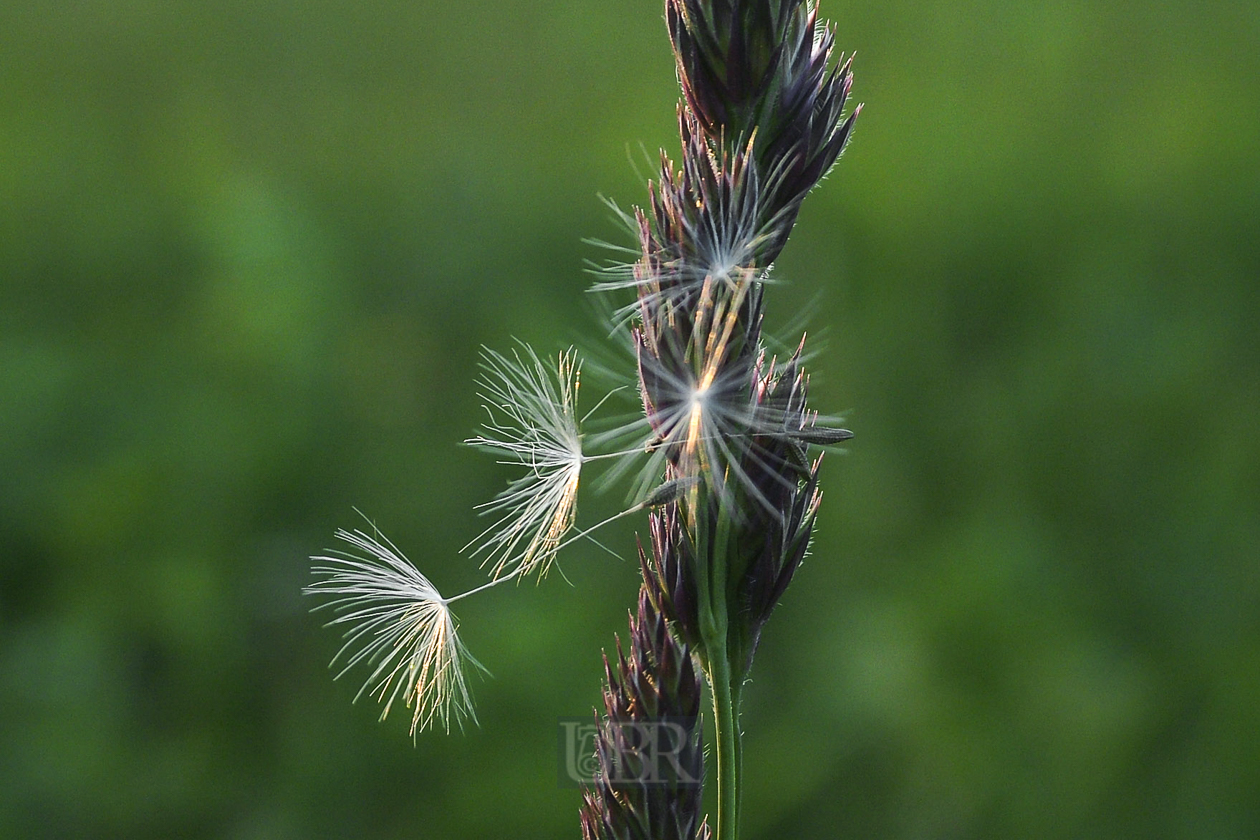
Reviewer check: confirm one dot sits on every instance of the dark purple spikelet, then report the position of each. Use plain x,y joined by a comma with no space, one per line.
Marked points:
651,692
780,465
761,71
669,575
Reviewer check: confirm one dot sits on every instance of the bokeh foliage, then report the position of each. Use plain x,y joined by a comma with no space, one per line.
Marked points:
248,252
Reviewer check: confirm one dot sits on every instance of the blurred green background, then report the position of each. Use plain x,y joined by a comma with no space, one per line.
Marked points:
249,250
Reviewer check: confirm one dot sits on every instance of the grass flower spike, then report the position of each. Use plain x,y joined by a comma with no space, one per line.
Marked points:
400,626
762,119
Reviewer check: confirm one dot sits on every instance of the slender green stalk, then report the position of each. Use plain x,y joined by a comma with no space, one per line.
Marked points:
723,681
726,725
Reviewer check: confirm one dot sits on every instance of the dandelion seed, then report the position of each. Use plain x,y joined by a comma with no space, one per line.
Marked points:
401,626
720,246
531,424
727,421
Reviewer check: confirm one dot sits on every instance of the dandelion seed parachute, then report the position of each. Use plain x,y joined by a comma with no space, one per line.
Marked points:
400,626
532,424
